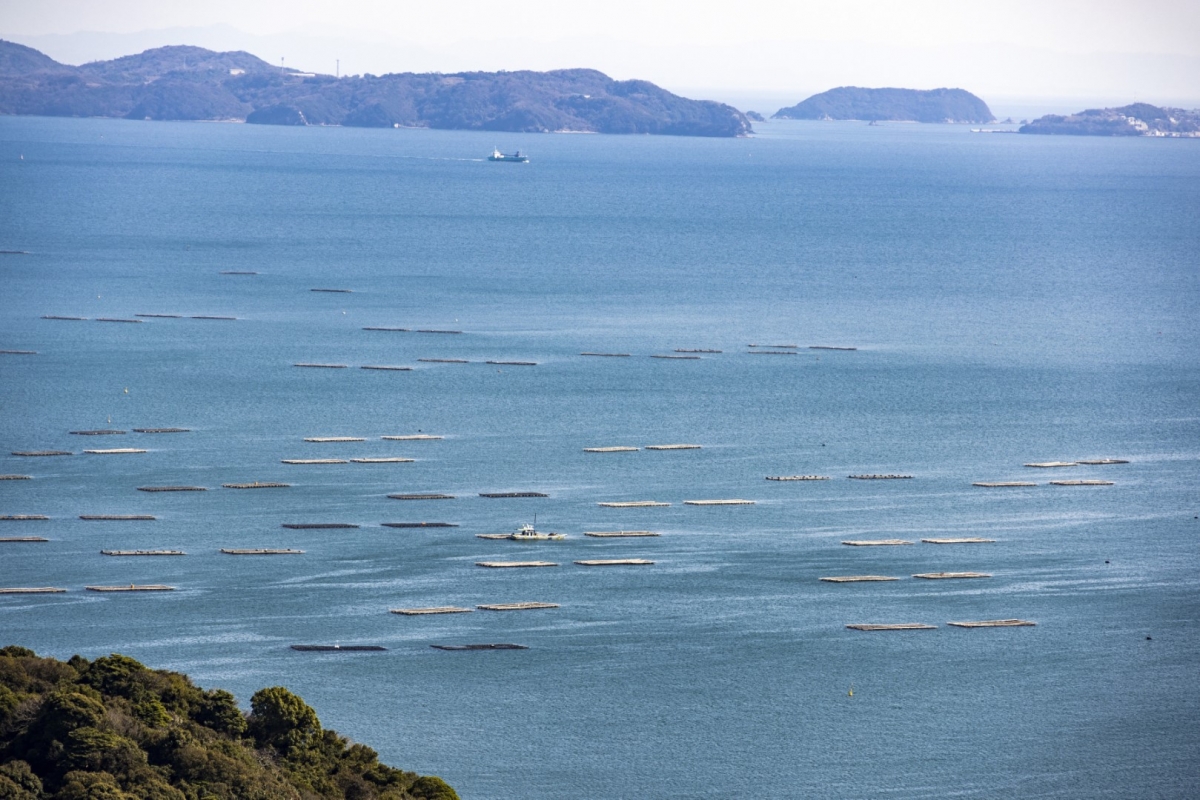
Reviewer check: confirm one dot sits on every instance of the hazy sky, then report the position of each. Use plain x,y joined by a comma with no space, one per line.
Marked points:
1048,48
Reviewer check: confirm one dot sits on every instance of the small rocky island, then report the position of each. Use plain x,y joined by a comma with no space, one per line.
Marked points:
1138,119
191,83
112,728
891,105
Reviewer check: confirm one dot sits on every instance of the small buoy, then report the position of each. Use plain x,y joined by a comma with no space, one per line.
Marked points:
1148,639
851,692
1106,561
126,390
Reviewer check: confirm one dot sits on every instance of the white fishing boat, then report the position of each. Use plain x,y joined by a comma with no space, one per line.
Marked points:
528,533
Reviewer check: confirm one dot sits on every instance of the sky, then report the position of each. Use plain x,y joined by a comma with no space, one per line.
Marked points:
1046,52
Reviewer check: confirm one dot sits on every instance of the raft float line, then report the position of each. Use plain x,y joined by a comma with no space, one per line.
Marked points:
421,497
633,504
38,453
117,517
858,578
619,534
15,539
22,517
99,432
172,489
673,447
875,542
116,451
719,502
389,460
412,437
142,553
256,485
386,368
133,587
619,449
797,477
879,477
941,576
320,366
417,612
261,551
513,494
1002,484
419,524
324,439
514,564
1081,483
515,606
15,478
161,430
314,526
313,461
962,540
995,623
32,590
901,626
614,562
1052,464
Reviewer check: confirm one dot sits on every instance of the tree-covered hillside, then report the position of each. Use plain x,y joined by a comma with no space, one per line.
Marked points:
191,83
111,729
897,105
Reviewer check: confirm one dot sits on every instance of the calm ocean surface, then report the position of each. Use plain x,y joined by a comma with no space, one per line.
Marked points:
1012,299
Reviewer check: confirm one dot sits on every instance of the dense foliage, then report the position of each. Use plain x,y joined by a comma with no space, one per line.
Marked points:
1138,119
898,105
193,83
111,729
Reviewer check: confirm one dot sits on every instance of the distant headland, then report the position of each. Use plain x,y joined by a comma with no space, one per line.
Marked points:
192,83
1137,119
893,105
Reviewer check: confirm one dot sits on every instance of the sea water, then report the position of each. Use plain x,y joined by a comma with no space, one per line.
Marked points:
1012,299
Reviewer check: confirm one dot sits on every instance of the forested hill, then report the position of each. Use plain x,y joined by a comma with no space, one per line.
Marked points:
111,729
898,105
191,83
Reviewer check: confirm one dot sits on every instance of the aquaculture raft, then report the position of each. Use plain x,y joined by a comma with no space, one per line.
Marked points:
19,352
879,477
261,551
142,553
14,539
211,316
334,291
307,526
256,485
497,646
633,504
900,626
416,612
115,319
960,540
161,430
513,494
797,477
118,517
1002,484
672,447
133,587
419,524
444,360
386,368
514,363
619,449
776,346
614,562
31,590
515,606
718,502
160,316
394,460
319,366
56,316
607,355
102,432
941,576
339,648
313,461
875,542
334,439
421,496
412,437
514,564
679,358
22,517
695,350
1050,464
393,330
1097,461
995,623
858,578
15,478
619,534
829,347
42,453
116,451
171,489
1081,483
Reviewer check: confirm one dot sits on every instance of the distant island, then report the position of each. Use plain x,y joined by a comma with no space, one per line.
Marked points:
892,105
111,728
192,83
1138,119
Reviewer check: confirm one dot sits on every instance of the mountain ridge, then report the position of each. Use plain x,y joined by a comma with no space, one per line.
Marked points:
181,82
